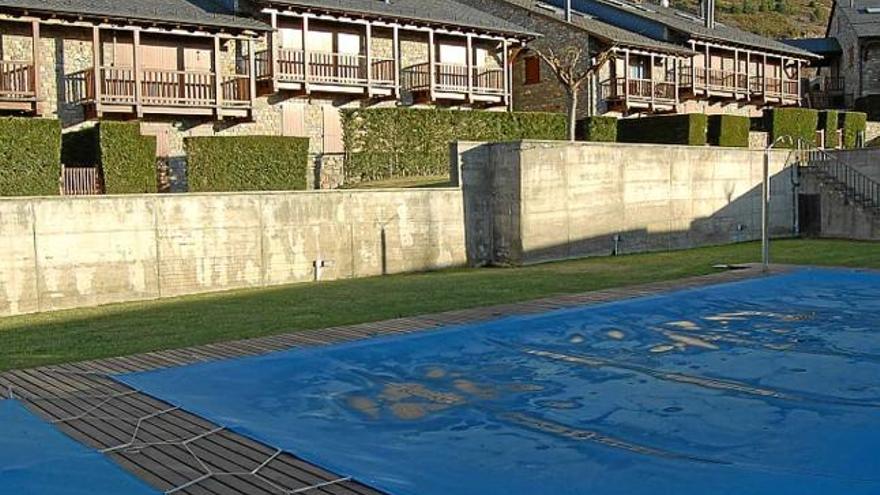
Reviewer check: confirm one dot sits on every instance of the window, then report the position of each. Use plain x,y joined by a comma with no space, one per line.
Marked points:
639,68
453,54
533,70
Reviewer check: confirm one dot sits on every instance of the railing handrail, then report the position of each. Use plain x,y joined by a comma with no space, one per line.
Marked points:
856,183
145,70
16,62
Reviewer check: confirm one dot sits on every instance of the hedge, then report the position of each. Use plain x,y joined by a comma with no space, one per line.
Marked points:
30,156
799,123
689,129
126,158
729,130
598,129
397,142
828,122
853,124
246,163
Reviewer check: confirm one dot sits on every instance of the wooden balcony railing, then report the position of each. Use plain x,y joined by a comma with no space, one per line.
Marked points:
835,84
327,68
17,80
640,90
158,88
453,78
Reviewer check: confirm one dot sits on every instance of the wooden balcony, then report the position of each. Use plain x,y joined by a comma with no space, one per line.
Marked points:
17,86
298,70
454,82
738,85
169,92
639,93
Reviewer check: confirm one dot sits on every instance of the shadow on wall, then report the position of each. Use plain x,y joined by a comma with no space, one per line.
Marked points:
532,202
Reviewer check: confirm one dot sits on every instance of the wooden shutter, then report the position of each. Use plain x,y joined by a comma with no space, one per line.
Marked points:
533,70
293,120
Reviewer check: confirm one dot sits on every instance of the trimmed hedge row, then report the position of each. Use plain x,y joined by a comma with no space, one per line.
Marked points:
396,142
828,122
30,156
126,158
597,129
729,131
799,123
246,163
802,123
853,123
689,129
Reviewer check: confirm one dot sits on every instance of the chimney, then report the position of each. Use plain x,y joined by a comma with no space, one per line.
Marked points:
708,13
567,10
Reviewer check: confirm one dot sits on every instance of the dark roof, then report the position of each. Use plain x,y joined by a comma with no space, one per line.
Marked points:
447,12
599,29
819,46
691,25
207,13
863,17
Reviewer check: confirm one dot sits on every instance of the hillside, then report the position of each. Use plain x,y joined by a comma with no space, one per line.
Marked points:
773,18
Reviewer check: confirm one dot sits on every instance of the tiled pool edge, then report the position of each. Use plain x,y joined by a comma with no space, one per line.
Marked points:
72,393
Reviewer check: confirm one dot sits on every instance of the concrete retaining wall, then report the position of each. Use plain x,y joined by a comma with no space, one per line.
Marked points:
553,200
58,253
865,160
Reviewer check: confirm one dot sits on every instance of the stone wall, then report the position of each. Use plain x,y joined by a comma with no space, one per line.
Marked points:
873,131
553,200
547,95
58,253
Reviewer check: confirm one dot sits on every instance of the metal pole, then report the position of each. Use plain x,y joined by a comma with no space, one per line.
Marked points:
765,214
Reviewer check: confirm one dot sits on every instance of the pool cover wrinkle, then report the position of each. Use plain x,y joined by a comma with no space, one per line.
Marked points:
768,386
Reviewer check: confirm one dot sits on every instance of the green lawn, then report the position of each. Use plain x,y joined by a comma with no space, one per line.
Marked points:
140,327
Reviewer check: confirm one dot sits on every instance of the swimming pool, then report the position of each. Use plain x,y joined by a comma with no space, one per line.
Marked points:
766,386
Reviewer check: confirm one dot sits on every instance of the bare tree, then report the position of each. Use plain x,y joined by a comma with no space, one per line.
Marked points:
573,69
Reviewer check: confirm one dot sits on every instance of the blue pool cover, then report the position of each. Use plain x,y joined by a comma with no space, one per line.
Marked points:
37,459
769,386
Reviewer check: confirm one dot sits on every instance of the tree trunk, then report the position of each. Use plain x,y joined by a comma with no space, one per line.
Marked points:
572,114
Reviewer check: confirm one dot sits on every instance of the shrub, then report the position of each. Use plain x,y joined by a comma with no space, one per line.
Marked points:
798,123
599,129
126,158
687,129
30,156
729,131
246,163
397,142
828,122
853,124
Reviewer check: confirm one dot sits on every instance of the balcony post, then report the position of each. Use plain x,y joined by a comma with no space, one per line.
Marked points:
708,68
799,95
397,61
273,50
252,71
508,68
736,71
96,56
138,87
693,70
470,67
626,79
764,79
35,69
432,64
305,49
369,47
676,76
748,75
651,86
218,90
